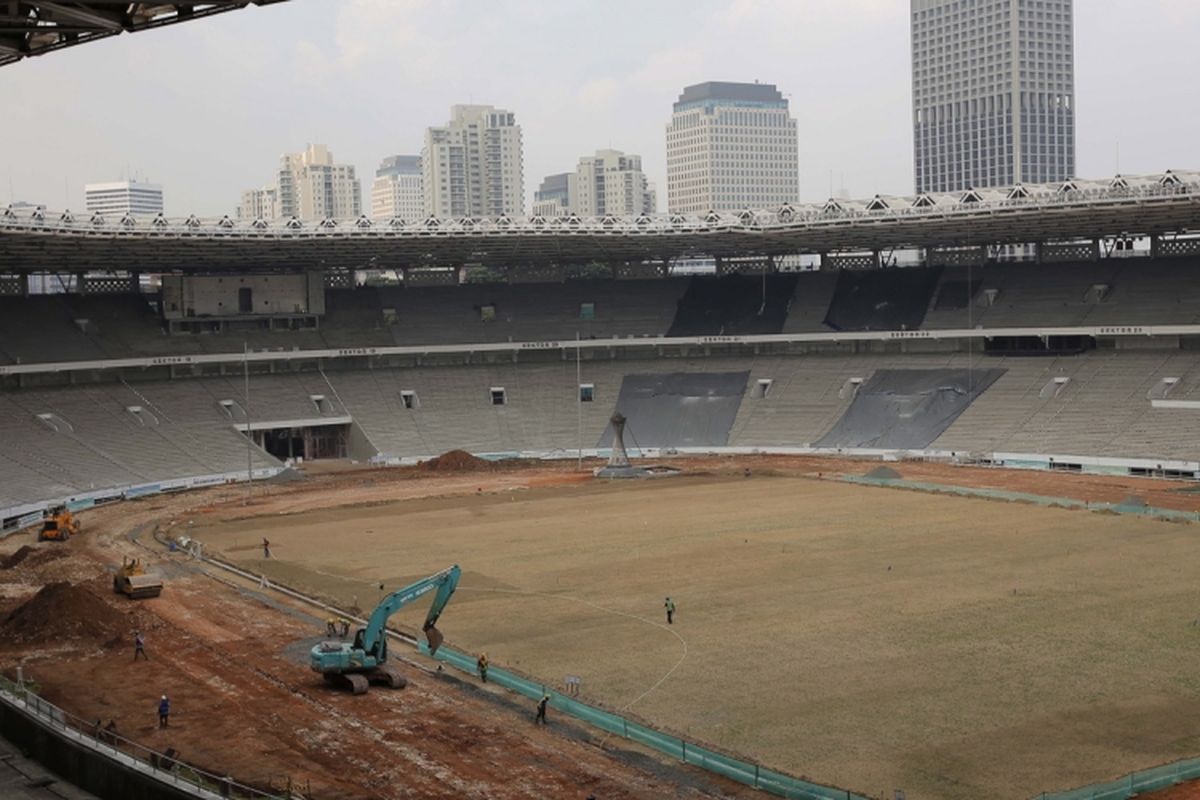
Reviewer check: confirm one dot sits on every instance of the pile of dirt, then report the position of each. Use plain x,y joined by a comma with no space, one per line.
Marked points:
883,474
61,612
456,461
32,556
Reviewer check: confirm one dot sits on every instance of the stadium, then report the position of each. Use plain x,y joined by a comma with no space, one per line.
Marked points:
914,517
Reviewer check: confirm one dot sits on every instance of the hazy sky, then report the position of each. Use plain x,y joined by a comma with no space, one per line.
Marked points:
206,108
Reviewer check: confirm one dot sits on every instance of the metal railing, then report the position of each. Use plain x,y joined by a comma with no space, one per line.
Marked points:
165,768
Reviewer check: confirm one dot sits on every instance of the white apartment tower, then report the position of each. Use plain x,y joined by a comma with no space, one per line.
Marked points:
310,186
611,182
397,192
993,85
259,204
731,146
473,165
119,198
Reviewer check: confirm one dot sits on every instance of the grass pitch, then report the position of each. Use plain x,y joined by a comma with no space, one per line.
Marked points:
871,638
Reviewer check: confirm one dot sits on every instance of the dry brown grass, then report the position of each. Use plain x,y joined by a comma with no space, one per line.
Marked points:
865,637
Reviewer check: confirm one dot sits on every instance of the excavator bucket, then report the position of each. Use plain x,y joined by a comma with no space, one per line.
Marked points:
435,638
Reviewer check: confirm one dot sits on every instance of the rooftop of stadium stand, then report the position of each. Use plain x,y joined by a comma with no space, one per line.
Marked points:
32,28
37,239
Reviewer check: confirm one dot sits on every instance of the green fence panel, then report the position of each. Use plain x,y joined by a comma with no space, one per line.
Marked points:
733,768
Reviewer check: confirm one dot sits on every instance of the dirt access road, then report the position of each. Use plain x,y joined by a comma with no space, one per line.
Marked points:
244,702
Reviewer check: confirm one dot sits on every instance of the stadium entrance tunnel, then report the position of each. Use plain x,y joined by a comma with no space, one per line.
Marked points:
678,409
907,409
307,442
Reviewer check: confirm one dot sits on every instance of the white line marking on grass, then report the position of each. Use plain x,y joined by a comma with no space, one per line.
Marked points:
599,607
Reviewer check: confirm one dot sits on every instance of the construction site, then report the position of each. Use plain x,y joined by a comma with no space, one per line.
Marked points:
850,634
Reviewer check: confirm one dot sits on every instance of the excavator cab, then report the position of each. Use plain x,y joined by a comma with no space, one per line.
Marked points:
58,525
355,665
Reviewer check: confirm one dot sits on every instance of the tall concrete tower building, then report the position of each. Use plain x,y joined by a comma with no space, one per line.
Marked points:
731,146
310,186
473,165
398,189
993,85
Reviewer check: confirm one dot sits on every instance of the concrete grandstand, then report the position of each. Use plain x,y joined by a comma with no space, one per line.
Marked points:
1083,361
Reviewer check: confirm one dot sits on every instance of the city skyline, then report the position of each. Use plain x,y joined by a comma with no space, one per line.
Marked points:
844,67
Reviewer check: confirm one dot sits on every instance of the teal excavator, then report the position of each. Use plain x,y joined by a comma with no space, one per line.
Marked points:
356,666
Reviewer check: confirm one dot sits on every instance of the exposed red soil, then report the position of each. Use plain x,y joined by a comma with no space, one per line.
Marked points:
244,702
61,611
32,556
456,461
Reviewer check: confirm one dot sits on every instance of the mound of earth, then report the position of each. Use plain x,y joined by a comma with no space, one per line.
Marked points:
61,612
456,461
32,556
883,474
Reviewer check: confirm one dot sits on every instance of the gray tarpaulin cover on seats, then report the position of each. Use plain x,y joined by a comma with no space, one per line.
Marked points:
907,409
678,409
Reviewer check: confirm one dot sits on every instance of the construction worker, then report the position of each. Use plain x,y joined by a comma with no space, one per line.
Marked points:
482,664
670,607
331,626
164,710
266,548
345,624
139,646
541,710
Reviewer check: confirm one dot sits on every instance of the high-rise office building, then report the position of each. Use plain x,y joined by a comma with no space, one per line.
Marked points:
993,85
310,186
553,197
397,191
259,204
611,182
731,146
473,165
123,197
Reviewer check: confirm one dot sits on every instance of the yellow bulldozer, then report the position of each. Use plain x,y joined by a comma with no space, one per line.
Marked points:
132,581
58,525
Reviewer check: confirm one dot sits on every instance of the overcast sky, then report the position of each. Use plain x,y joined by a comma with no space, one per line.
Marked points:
206,108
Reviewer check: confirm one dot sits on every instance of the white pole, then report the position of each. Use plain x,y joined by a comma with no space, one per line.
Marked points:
578,401
246,411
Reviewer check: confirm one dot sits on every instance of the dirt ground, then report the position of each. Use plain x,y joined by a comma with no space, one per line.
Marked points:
870,638
865,637
244,703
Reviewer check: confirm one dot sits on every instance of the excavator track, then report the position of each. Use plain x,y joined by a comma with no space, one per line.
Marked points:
388,676
352,681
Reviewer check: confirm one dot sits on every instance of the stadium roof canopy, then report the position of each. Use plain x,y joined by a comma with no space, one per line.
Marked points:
34,239
34,27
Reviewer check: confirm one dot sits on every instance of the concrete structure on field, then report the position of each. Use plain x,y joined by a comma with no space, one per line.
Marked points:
311,186
259,204
731,146
398,190
473,165
993,93
119,198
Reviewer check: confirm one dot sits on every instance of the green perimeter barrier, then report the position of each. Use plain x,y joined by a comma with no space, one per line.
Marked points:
735,769
1133,784
1023,497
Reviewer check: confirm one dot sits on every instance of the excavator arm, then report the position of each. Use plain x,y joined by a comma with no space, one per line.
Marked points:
374,641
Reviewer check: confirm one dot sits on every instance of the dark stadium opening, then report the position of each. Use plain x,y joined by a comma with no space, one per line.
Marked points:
1038,345
310,442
